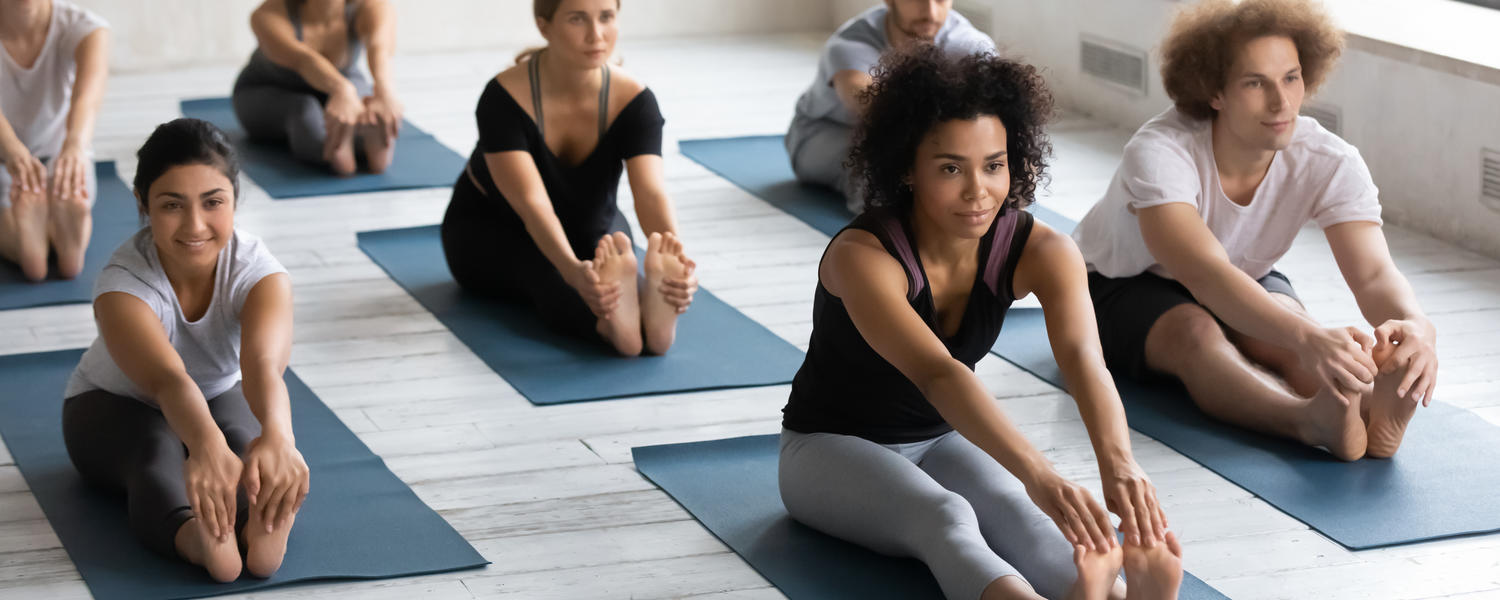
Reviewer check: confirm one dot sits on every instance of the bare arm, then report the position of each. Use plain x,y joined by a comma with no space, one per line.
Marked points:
92,56
873,289
265,347
849,84
377,26
1052,268
1388,302
273,30
647,185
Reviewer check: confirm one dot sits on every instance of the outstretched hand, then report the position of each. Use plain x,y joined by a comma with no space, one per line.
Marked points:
276,480
1410,346
1082,521
1129,493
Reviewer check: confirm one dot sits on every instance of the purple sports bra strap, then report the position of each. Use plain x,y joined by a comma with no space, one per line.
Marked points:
1005,231
895,234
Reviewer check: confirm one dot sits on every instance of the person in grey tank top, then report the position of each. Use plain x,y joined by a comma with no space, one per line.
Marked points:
179,404
303,87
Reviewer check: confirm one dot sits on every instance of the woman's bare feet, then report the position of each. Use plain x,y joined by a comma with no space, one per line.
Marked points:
220,558
614,259
1153,573
340,154
1337,427
264,551
379,147
664,259
28,217
69,223
1098,572
1386,413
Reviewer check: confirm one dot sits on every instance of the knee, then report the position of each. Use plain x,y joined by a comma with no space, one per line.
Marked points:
948,515
1186,331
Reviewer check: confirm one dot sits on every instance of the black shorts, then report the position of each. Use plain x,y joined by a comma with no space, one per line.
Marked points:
1127,307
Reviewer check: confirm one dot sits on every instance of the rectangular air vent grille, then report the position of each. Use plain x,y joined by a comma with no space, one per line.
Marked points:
1113,62
1489,171
1330,117
978,13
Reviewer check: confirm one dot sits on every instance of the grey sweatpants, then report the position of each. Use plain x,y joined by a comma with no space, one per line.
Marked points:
818,149
121,444
942,501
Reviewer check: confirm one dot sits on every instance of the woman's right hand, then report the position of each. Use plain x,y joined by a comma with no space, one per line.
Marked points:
340,115
1073,509
213,479
601,296
1341,358
27,173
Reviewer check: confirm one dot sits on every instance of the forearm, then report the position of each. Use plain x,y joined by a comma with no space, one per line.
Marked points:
10,143
321,74
265,392
82,115
1089,381
186,410
1389,296
380,69
655,213
1245,306
964,403
547,233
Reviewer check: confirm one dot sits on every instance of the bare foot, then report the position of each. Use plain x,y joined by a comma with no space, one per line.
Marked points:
664,259
379,148
1153,573
221,559
340,155
614,259
29,210
1327,422
69,223
1098,572
1387,413
264,551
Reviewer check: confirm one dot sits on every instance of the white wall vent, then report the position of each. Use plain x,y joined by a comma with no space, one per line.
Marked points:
1114,63
1489,172
1329,116
979,13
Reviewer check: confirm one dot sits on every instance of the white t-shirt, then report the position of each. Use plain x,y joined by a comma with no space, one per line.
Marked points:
1318,177
36,100
857,46
210,346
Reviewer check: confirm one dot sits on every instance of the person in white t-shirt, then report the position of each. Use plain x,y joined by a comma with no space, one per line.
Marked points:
1210,194
52,73
821,131
180,402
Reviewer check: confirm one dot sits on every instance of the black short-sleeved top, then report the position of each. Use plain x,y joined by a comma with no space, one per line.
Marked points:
845,387
582,195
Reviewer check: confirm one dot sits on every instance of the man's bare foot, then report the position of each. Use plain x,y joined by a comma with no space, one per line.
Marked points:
379,148
1098,572
220,558
664,259
69,223
28,211
1387,414
1327,422
614,260
1153,573
264,551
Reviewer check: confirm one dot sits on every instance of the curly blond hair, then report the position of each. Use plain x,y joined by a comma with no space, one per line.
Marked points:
1201,45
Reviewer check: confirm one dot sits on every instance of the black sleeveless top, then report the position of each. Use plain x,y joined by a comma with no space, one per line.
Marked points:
845,387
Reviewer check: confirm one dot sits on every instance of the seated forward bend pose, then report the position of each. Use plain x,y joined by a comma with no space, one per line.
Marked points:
889,439
51,81
533,216
303,87
823,125
1209,195
179,403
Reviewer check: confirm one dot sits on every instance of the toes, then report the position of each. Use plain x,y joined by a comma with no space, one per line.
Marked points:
654,243
622,242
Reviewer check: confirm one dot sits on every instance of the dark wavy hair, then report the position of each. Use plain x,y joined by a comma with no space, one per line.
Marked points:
917,88
1201,46
184,142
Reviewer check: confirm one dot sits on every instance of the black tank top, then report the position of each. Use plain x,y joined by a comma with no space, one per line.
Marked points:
845,387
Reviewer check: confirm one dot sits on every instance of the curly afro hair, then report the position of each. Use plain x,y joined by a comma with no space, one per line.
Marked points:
917,88
1200,48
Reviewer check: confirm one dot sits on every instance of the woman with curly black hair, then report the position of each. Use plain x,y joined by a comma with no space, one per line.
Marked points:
889,439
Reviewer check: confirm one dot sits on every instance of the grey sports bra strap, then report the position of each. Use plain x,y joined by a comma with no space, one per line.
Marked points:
291,15
604,102
536,92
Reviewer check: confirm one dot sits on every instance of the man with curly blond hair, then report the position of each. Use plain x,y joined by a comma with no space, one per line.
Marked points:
1210,194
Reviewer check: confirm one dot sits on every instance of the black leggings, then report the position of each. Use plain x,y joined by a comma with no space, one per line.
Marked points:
121,444
509,267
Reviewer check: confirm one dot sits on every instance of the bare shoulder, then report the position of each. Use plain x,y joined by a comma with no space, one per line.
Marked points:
515,80
855,260
623,86
1048,257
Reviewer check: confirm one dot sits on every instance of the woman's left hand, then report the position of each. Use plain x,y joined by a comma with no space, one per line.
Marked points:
1130,494
276,479
69,174
385,112
679,290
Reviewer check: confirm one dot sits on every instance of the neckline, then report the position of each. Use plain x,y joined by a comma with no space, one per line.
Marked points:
213,298
46,44
495,81
1218,180
936,325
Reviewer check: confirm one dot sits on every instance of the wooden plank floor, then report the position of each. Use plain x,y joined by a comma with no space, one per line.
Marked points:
549,494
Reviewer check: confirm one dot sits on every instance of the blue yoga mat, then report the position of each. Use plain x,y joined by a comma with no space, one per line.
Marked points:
359,522
420,162
717,346
730,486
1442,483
759,164
115,219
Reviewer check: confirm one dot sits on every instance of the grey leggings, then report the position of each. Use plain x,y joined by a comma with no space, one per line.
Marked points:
283,115
942,501
818,149
121,444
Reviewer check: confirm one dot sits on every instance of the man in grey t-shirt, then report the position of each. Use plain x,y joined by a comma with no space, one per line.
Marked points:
819,137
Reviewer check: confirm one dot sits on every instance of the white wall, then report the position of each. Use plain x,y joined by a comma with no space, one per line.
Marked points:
159,34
